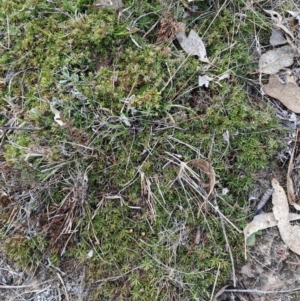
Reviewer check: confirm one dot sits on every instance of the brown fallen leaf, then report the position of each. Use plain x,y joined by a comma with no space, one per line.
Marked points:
289,234
168,28
206,168
265,221
274,60
287,93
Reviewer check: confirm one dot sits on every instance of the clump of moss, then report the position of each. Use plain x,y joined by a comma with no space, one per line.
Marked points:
110,178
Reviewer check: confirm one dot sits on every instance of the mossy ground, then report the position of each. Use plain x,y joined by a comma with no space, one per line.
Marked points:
109,179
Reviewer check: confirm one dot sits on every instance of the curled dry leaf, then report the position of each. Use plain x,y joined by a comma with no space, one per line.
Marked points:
204,80
206,168
274,60
289,234
192,44
287,93
275,16
56,115
168,27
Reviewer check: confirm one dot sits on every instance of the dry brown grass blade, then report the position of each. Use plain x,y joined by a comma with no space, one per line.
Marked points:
206,167
289,181
220,292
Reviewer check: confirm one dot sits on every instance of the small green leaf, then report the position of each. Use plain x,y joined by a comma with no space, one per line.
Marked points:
251,239
68,6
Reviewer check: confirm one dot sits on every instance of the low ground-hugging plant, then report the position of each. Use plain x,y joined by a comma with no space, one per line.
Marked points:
104,183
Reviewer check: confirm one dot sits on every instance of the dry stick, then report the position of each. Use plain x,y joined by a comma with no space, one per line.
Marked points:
215,283
18,128
291,262
229,251
14,286
261,292
21,286
65,289
289,181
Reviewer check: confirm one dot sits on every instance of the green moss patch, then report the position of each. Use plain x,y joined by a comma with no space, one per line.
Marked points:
110,186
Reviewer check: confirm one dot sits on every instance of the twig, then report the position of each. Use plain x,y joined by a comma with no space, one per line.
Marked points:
261,292
215,282
264,200
21,286
65,289
18,128
291,262
8,33
225,218
229,251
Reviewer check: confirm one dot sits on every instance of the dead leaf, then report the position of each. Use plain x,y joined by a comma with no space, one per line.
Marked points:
192,44
275,16
225,75
277,38
56,115
289,34
204,80
116,4
287,93
168,27
265,221
274,60
289,234
206,168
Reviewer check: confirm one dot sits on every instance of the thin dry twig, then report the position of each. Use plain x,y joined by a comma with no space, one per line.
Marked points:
254,291
229,251
22,286
63,284
215,282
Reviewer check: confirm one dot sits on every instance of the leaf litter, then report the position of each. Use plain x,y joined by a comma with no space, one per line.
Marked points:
289,234
280,217
191,44
275,60
288,93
